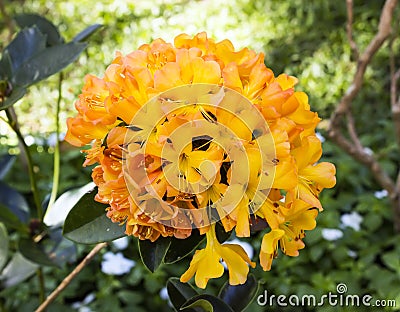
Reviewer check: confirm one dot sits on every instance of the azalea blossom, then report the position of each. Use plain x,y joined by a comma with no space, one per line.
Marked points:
185,134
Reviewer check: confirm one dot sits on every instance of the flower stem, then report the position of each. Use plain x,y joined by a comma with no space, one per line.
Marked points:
56,166
40,276
12,121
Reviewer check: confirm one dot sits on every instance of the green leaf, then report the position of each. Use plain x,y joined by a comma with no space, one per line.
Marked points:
5,66
32,251
392,260
180,248
15,96
44,25
4,245
15,202
17,270
47,63
179,292
86,33
56,214
87,222
153,253
207,303
28,42
12,221
6,162
238,297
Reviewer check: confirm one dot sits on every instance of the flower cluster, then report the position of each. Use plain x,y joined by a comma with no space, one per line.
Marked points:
147,165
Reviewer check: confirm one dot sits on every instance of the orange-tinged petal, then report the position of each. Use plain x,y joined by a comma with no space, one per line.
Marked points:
322,173
231,77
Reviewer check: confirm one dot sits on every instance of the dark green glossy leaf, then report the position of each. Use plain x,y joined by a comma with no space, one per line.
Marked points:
238,297
5,66
180,248
86,33
32,251
207,303
87,222
17,270
28,42
12,221
222,236
15,96
14,201
56,214
47,63
44,25
179,292
61,250
152,254
6,162
4,245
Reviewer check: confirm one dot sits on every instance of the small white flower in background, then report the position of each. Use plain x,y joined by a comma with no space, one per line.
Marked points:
116,264
352,220
121,243
352,253
368,151
331,234
246,246
381,194
320,137
81,306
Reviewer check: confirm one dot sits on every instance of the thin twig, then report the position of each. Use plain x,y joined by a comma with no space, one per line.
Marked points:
349,29
68,279
357,151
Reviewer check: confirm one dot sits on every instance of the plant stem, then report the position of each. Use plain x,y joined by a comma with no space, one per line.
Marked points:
35,191
40,276
68,279
56,166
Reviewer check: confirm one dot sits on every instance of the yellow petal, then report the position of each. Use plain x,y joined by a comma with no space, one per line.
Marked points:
322,173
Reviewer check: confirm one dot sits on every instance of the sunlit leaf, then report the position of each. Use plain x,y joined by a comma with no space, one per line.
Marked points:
44,25
32,251
238,297
28,42
179,293
207,303
47,63
5,66
6,162
15,96
3,245
56,214
86,33
87,222
17,270
153,253
180,248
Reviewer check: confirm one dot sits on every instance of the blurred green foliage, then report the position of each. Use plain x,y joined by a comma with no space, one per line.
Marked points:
305,38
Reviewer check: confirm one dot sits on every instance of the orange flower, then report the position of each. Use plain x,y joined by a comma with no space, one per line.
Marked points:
194,131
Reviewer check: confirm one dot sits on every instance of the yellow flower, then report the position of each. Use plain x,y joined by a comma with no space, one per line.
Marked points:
206,262
170,157
298,216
